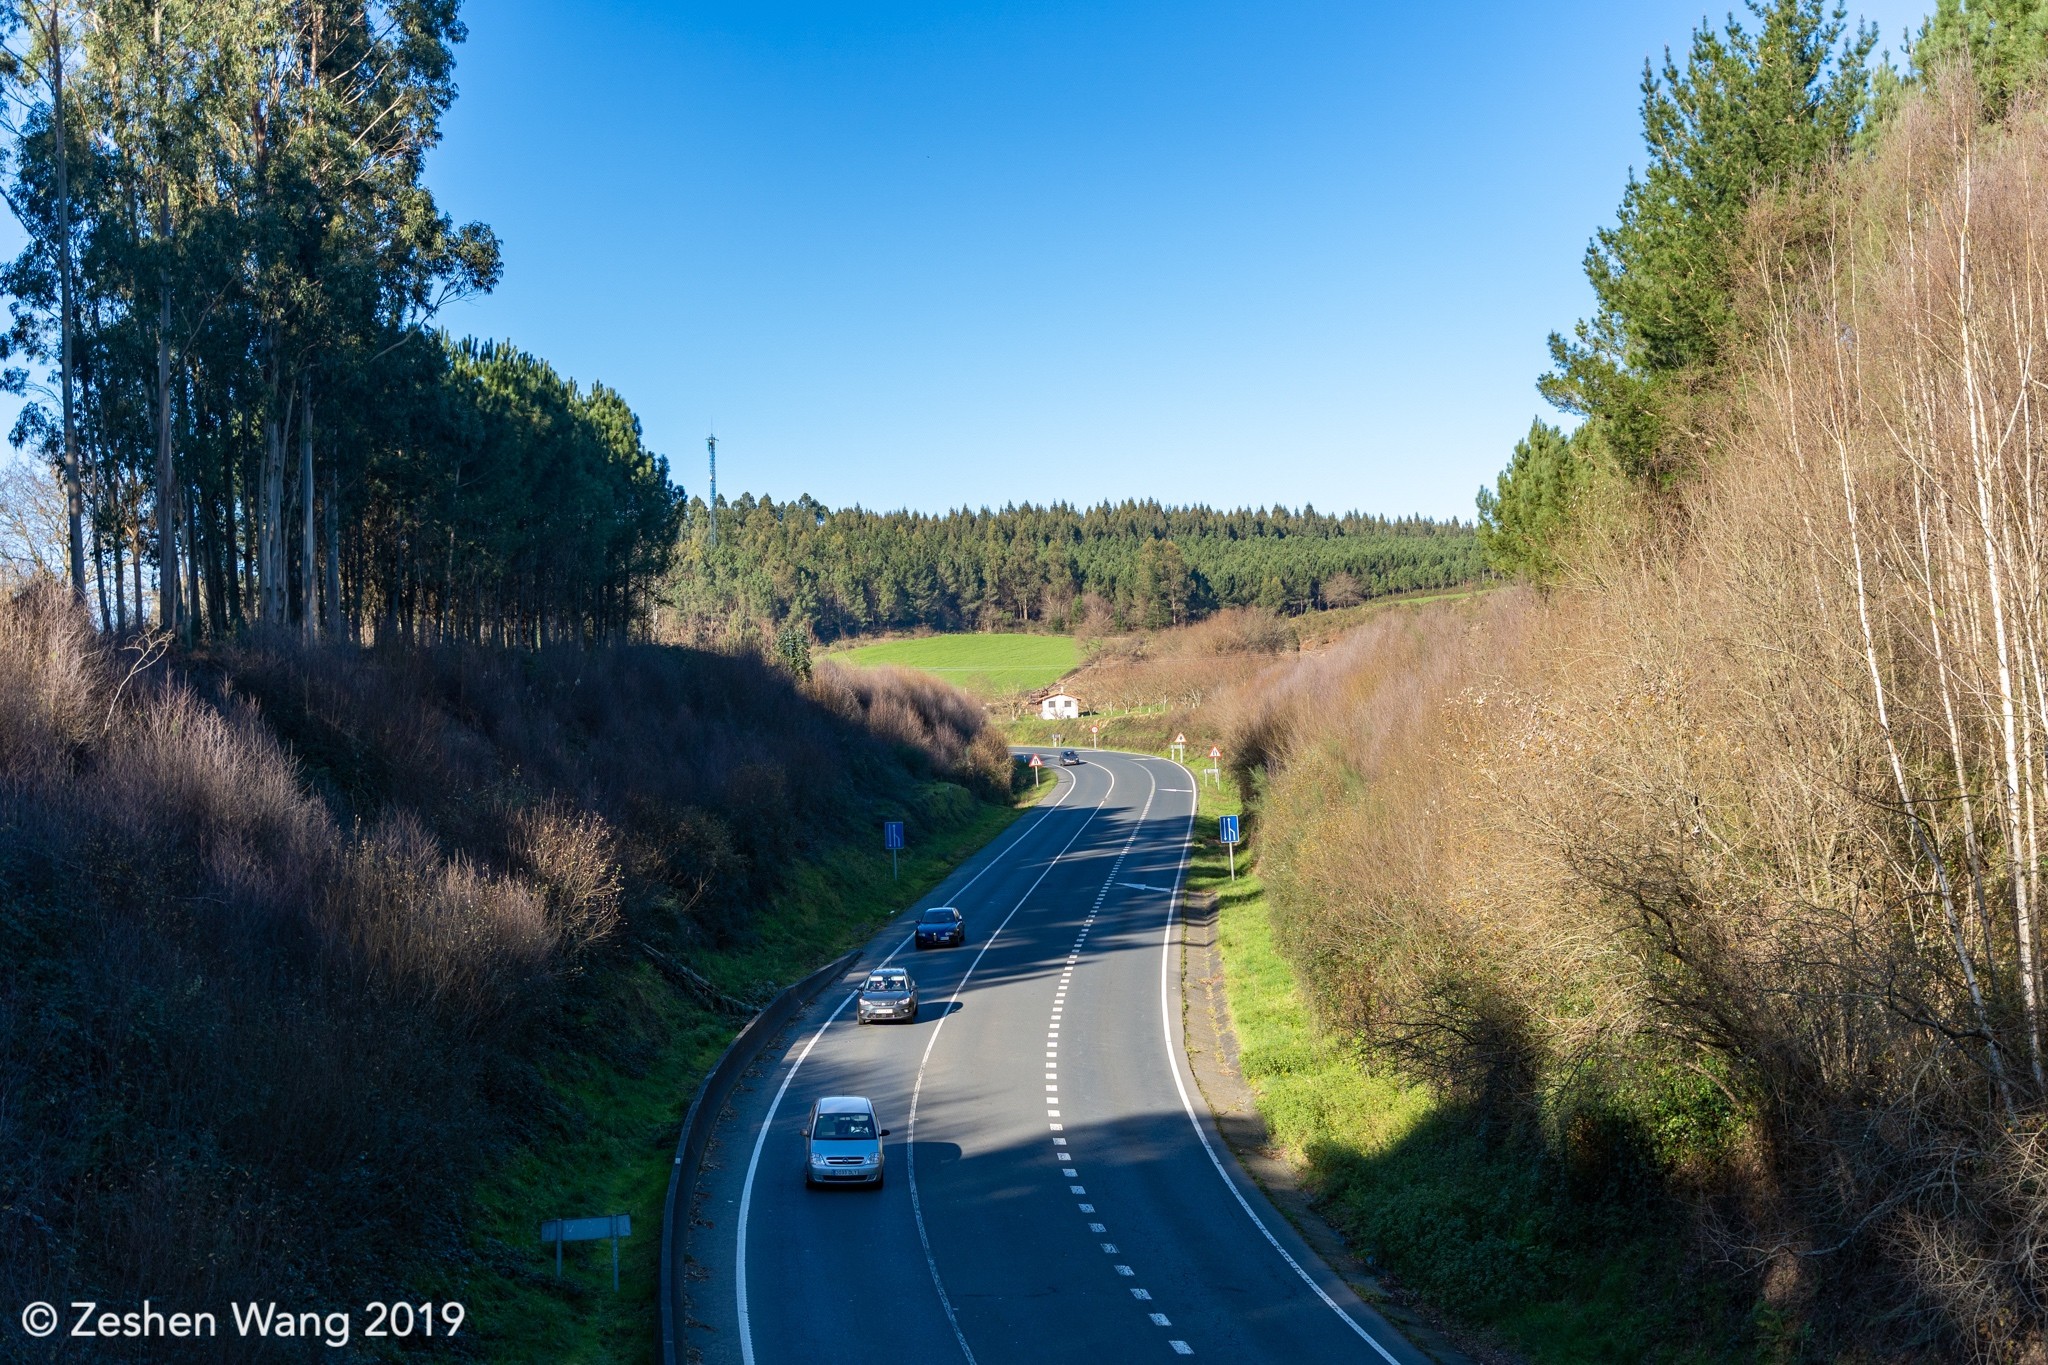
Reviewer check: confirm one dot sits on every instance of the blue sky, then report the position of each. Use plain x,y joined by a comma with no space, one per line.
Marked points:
922,254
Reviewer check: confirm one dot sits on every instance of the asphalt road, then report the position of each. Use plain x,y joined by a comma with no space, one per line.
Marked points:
1056,1190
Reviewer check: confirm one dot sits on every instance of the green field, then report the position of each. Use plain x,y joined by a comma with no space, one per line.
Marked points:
990,665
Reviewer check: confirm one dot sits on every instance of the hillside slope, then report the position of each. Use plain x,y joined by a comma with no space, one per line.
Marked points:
301,952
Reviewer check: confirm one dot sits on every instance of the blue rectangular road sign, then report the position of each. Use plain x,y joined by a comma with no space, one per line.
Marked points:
1227,828
892,834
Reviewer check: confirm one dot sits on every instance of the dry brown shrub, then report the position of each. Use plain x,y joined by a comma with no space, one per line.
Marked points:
437,929
573,855
51,700
921,712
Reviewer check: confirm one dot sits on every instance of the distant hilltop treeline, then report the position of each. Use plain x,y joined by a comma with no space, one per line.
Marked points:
1116,566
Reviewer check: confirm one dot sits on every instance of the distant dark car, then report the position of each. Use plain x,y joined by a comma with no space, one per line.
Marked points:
888,993
1068,758
941,926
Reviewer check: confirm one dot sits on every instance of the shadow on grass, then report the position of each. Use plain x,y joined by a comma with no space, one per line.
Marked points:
1567,1261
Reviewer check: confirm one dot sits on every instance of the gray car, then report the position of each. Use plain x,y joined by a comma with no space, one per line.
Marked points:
888,993
843,1143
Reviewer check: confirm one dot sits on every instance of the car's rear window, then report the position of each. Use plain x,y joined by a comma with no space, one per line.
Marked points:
844,1127
941,916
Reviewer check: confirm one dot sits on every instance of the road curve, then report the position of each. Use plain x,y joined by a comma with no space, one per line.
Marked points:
1056,1190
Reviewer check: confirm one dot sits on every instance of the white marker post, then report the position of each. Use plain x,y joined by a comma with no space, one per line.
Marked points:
1037,763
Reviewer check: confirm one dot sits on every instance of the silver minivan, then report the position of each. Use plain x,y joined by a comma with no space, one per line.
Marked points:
843,1143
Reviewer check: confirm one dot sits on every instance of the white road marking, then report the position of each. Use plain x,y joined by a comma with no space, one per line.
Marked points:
1075,1189
1070,1173
761,1138
1159,1320
1168,1016
1097,1227
1181,1348
1057,1127
1144,1294
1125,1270
1059,1142
1109,1248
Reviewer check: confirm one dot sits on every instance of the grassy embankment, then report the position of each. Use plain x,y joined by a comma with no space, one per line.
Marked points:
988,665
623,1109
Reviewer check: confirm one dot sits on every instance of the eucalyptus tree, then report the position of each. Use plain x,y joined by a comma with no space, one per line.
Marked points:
234,235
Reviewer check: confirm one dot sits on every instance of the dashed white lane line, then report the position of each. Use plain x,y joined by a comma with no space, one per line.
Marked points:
761,1138
1052,1035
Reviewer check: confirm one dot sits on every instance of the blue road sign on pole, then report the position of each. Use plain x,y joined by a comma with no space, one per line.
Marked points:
1226,830
892,839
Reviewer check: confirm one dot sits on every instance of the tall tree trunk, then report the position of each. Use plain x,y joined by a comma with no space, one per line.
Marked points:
135,544
99,576
270,537
309,602
74,493
120,587
334,629
168,607
189,626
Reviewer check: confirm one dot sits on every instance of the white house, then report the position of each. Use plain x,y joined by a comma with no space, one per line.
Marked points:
1059,706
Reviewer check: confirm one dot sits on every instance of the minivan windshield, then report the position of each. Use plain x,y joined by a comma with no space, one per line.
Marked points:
844,1127
899,982
942,915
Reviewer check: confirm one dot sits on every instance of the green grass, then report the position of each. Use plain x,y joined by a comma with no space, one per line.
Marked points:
1482,1230
990,665
608,1126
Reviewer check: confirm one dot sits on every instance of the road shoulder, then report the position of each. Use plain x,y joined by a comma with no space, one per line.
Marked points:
1212,1052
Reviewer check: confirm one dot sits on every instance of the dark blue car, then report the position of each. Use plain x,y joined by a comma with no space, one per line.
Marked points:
941,926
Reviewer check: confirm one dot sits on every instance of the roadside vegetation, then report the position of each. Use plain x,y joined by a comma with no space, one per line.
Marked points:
330,973
1696,895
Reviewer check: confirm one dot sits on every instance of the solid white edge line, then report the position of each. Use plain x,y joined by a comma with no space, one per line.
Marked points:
761,1138
917,1090
1168,1016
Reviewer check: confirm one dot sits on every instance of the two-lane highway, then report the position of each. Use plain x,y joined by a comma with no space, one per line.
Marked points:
1055,1191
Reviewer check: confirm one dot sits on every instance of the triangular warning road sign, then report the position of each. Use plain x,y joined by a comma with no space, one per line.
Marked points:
1215,752
1180,739
1037,762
